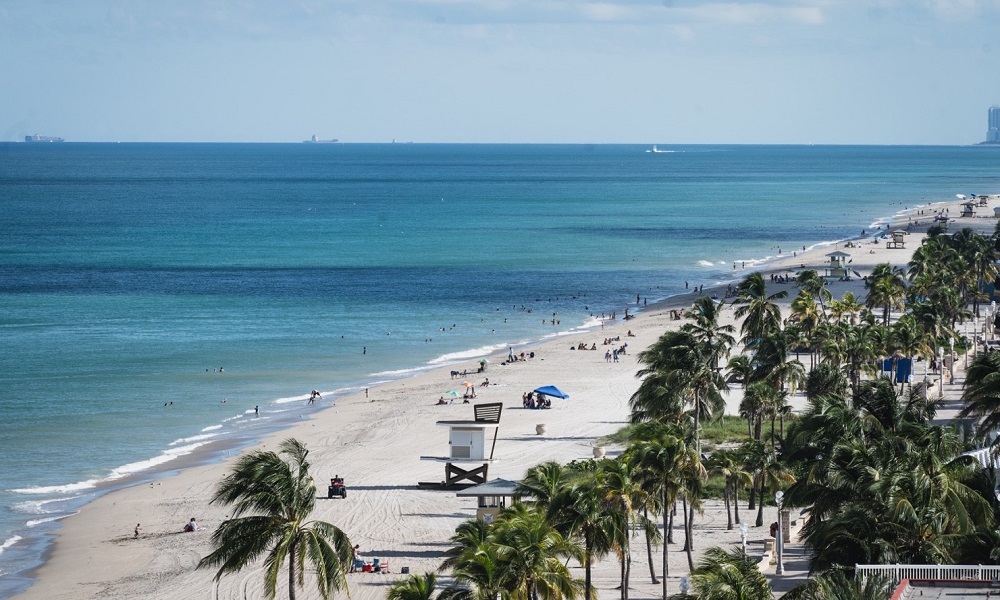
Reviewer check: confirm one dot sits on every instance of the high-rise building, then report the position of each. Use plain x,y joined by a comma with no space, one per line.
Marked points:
993,126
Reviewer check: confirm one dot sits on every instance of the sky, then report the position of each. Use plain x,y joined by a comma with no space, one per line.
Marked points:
501,71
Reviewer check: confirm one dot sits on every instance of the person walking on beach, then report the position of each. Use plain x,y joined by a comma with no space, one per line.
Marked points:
136,531
256,411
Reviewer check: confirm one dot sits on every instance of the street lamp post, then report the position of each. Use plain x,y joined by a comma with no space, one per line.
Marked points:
941,370
779,569
743,535
993,316
951,368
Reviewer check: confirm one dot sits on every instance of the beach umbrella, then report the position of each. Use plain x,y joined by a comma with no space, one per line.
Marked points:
452,393
468,384
551,390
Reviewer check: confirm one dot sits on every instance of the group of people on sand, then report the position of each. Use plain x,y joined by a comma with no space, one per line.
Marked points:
533,400
513,358
782,278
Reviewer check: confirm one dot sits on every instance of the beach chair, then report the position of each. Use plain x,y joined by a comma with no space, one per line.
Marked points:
384,566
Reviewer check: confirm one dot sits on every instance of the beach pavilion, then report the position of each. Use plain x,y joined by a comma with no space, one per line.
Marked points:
490,497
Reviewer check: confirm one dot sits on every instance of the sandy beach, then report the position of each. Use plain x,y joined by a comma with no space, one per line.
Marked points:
375,441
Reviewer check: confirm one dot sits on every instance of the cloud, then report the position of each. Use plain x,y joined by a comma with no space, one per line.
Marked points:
756,13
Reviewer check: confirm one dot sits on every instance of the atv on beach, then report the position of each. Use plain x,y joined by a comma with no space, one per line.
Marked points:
337,488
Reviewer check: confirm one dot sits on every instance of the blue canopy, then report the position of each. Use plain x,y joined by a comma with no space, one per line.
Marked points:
551,390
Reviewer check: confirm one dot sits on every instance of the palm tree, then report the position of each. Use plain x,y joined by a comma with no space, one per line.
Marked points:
825,379
715,340
730,575
681,372
414,587
272,496
579,509
886,289
469,537
480,574
982,397
725,463
812,284
533,553
542,483
760,310
623,496
662,461
907,340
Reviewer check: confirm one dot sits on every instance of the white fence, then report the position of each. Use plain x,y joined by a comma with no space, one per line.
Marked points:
897,573
983,456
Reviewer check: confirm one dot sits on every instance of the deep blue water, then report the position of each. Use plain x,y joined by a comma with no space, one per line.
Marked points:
130,273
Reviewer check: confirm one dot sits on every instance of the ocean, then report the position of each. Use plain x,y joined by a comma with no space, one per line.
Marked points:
153,296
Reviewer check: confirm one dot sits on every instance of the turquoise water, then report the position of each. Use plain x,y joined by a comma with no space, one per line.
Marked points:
131,273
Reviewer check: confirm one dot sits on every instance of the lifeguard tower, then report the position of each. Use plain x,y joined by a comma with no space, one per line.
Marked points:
968,209
467,441
838,264
897,240
490,497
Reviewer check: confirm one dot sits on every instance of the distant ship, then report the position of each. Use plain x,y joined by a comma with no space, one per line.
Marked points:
316,140
42,138
656,150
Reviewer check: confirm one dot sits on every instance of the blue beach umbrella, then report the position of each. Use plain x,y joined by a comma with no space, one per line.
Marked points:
551,390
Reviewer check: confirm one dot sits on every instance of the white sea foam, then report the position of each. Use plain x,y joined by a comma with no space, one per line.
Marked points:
467,354
37,507
164,457
705,263
37,522
194,438
292,399
227,419
9,542
211,428
59,489
397,373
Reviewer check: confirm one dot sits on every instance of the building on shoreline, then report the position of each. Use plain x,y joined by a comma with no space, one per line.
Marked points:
993,125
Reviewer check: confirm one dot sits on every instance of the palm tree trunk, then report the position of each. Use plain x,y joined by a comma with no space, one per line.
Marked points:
623,586
665,568
669,534
729,512
291,572
586,566
628,574
760,508
736,502
687,535
649,552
